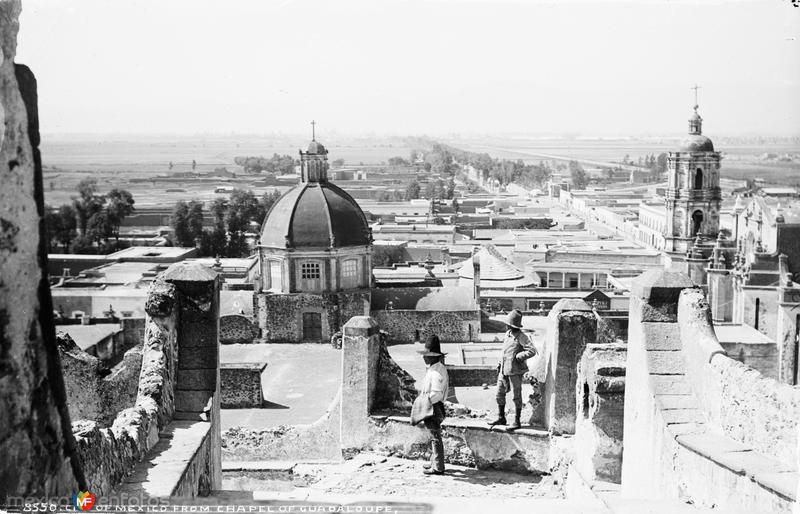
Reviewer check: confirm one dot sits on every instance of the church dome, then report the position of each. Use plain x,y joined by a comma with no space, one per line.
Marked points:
315,215
316,148
697,143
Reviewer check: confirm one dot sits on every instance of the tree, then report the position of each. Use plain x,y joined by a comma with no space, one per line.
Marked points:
578,175
119,206
337,163
214,242
88,203
266,202
243,209
195,221
661,164
278,164
61,225
180,225
449,189
412,190
398,161
99,228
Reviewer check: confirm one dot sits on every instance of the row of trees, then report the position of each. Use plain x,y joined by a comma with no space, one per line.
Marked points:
88,224
438,189
278,164
232,219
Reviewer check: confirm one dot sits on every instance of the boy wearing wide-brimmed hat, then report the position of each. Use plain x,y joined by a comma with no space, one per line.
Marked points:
435,385
517,348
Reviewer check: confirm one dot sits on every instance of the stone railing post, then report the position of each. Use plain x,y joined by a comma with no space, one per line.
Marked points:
653,340
571,326
197,393
360,353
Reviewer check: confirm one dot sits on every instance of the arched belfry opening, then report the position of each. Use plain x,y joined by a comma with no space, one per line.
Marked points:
698,179
697,222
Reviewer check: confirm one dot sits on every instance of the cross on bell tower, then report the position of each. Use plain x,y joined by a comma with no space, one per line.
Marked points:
313,130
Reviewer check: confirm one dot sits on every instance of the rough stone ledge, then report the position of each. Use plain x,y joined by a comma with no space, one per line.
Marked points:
778,477
166,464
677,401
469,424
261,366
281,466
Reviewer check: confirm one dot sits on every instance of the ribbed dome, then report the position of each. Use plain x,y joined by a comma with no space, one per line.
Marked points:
697,143
315,215
317,148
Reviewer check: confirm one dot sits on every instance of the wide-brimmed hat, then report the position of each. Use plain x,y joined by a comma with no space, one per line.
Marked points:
513,319
432,348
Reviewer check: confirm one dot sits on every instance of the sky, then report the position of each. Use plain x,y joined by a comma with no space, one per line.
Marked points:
412,66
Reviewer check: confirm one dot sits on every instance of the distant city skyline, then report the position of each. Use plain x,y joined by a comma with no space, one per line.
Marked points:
610,68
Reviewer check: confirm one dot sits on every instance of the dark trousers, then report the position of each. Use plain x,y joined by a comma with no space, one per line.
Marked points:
434,425
506,382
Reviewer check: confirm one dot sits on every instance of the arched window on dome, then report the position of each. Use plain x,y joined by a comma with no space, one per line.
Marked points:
350,274
274,276
698,179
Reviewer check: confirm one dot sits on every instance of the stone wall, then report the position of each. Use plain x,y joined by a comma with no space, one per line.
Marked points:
749,407
176,412
236,329
600,396
319,440
37,449
699,426
280,315
405,326
94,392
467,442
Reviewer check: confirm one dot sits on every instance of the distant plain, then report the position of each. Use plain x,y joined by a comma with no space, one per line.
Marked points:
123,161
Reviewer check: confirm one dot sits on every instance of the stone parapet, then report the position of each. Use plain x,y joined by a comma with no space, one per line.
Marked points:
572,326
182,312
698,425
467,442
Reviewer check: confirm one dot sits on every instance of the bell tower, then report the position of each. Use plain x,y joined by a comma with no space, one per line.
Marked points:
693,194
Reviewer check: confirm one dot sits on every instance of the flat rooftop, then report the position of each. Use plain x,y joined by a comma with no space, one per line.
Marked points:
153,252
742,334
86,336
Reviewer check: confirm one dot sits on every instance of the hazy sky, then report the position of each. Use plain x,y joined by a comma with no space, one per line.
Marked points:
412,67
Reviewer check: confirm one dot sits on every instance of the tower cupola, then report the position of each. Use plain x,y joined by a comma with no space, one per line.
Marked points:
314,161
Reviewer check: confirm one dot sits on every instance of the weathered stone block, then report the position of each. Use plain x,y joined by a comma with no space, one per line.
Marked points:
241,385
655,294
682,416
665,363
669,384
677,401
196,378
192,401
191,358
662,336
